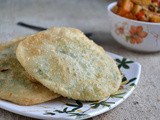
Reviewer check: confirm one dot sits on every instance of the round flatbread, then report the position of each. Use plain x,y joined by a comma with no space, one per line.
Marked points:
68,63
15,84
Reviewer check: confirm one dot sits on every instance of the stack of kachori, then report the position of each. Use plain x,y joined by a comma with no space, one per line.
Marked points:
15,84
58,61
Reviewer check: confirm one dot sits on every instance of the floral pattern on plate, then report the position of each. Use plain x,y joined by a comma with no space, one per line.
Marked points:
63,108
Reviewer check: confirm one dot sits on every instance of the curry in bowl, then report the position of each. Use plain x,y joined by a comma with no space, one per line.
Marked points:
141,10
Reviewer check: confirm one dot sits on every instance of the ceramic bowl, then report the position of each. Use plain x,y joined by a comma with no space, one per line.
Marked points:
135,35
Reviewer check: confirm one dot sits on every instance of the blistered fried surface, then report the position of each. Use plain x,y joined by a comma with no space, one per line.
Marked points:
15,84
68,63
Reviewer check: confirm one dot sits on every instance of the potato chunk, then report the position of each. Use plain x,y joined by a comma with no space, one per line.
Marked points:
142,2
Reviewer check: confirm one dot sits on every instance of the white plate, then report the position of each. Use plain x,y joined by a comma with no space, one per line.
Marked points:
63,108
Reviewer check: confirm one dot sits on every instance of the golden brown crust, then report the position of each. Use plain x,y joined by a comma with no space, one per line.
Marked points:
65,61
15,84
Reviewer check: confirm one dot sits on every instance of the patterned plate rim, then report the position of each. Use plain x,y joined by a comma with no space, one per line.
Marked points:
119,98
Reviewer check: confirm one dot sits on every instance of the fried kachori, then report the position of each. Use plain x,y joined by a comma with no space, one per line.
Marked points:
15,84
68,63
